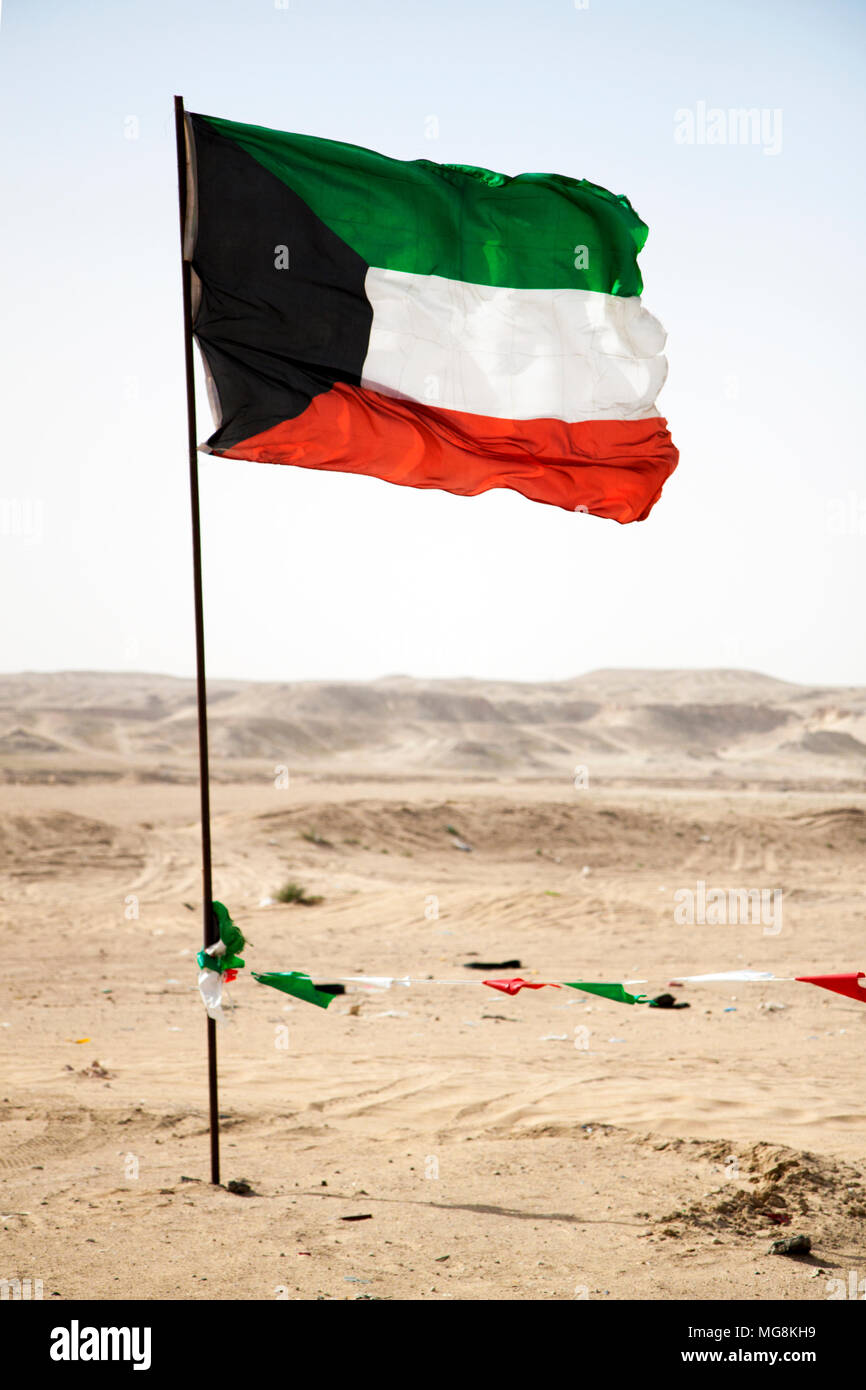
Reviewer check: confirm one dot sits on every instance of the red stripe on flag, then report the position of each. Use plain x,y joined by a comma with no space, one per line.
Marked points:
611,468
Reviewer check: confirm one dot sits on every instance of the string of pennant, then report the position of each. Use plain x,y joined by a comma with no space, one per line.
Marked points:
219,964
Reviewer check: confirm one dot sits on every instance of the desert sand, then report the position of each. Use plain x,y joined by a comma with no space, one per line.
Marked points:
552,1145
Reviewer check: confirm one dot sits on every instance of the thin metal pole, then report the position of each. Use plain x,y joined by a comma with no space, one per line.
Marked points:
201,686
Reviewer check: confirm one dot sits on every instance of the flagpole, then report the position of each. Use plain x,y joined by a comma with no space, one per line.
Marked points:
209,934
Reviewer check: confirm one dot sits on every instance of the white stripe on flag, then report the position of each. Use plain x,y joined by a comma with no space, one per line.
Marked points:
513,354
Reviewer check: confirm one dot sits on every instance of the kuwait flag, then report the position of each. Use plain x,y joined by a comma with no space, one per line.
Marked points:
435,325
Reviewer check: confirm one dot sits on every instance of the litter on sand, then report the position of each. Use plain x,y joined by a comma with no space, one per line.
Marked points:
666,1001
493,965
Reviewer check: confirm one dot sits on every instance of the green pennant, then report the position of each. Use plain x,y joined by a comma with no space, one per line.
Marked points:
616,992
296,983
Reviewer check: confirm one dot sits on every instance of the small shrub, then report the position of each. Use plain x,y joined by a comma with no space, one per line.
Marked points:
314,838
294,893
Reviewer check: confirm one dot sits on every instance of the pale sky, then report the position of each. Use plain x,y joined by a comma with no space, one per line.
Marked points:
755,555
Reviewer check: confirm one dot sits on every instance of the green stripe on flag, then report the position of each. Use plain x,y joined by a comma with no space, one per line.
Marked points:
616,992
530,231
296,983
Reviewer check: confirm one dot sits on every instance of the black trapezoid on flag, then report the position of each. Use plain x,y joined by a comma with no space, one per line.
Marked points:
283,313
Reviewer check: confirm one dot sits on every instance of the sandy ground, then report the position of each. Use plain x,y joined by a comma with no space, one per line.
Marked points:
542,1146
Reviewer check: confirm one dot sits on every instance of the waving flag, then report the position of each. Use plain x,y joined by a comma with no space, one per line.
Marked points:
435,325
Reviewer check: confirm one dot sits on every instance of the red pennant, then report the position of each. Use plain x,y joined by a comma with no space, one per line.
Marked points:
840,984
229,975
516,985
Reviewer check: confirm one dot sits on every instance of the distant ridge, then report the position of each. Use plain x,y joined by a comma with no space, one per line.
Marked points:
686,726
